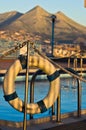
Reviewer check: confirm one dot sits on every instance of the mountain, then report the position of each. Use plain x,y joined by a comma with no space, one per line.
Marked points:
7,18
34,21
38,21
68,27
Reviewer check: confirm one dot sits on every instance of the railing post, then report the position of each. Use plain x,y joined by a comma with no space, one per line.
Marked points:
79,99
81,64
68,62
32,93
59,107
26,91
53,109
75,63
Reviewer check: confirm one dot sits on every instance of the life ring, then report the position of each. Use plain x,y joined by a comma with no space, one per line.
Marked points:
10,94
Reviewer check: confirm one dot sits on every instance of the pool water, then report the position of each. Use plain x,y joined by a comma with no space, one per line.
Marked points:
68,99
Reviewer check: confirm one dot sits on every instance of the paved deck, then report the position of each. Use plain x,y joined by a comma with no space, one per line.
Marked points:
71,123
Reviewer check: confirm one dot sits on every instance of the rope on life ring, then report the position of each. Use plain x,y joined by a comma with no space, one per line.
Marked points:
10,94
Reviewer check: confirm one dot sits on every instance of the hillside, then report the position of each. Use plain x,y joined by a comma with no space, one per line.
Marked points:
7,18
38,21
34,21
68,28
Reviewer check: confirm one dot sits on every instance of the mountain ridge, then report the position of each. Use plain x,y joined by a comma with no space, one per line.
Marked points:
38,21
8,17
69,19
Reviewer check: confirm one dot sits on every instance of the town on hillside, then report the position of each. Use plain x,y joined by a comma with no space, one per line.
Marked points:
62,48
69,37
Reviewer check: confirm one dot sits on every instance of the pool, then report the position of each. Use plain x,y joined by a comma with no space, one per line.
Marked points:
68,99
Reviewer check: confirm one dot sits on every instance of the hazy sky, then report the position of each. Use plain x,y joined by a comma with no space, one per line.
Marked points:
72,8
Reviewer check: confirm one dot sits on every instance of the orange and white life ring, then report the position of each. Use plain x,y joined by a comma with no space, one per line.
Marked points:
10,94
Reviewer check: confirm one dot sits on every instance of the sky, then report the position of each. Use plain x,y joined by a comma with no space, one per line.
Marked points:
72,8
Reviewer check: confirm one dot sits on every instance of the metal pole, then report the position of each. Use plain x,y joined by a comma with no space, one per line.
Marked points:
26,91
79,99
53,23
81,64
68,62
32,87
59,107
32,93
75,63
53,109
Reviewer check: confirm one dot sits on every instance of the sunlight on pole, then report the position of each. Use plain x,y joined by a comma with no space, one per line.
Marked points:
85,3
26,90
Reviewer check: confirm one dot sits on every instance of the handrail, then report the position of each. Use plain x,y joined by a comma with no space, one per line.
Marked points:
32,87
78,92
58,116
